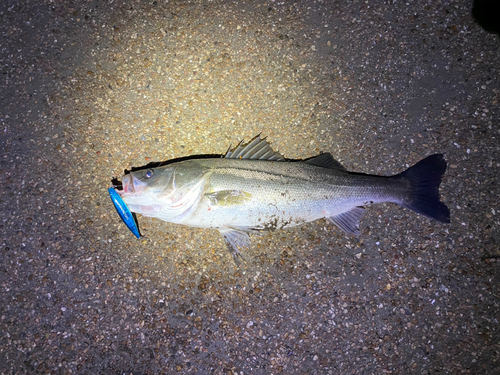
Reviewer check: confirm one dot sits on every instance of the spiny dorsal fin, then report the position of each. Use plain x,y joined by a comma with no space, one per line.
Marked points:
256,149
326,161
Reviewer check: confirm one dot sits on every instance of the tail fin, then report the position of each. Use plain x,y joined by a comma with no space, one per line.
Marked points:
425,177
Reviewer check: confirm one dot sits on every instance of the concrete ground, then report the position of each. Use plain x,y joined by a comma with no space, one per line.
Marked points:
89,89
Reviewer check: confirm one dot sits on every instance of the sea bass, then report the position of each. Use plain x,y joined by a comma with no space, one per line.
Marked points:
253,188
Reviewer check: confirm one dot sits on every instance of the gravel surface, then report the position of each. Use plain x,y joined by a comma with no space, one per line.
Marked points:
89,89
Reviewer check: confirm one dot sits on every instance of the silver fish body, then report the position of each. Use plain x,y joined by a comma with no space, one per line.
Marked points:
253,188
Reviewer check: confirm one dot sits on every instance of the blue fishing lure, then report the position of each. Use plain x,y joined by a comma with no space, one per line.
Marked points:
124,212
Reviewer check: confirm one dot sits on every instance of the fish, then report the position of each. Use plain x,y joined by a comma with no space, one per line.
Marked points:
253,188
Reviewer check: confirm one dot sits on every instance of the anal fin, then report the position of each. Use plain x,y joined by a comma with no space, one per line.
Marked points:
349,221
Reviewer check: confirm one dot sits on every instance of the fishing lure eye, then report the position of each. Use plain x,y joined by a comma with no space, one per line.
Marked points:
149,173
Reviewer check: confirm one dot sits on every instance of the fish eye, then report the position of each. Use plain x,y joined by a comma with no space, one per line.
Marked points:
149,173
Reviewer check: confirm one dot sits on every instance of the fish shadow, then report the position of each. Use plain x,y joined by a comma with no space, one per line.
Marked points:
157,164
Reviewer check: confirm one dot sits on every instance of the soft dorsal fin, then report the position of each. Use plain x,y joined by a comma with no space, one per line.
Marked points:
256,149
326,161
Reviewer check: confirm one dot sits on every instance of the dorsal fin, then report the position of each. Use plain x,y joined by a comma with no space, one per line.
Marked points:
256,149
326,161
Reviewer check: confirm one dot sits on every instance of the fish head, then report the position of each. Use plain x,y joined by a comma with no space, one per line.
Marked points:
169,192
147,186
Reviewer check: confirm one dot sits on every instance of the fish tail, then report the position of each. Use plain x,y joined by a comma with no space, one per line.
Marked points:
425,178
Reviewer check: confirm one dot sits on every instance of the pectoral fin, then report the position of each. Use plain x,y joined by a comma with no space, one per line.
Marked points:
228,197
349,221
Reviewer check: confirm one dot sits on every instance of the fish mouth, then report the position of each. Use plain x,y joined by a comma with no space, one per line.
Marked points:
127,185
